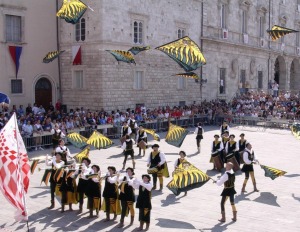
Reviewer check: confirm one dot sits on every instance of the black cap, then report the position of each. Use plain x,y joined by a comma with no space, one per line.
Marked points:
155,145
217,136
112,168
242,134
232,135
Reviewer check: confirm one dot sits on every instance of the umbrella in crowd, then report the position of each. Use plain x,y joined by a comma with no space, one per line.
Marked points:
152,132
187,177
185,52
71,11
124,56
4,99
188,75
83,154
51,56
272,172
176,135
137,49
77,140
99,141
277,32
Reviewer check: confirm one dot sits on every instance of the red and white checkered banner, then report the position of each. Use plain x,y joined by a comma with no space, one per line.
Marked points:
14,168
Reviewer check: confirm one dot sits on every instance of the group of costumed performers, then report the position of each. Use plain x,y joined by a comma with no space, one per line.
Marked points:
118,192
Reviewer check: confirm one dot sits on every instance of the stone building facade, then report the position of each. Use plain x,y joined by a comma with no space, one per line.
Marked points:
31,26
235,44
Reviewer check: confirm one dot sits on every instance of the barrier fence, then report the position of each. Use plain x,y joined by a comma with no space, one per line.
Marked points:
114,131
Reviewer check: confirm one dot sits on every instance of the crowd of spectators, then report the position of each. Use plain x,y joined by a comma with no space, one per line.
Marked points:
251,104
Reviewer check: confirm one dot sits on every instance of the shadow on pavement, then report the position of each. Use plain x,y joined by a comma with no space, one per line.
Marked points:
38,195
296,198
292,175
170,200
242,197
221,226
168,223
191,155
267,198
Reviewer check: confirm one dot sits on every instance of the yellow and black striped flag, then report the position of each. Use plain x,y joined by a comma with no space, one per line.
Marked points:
272,172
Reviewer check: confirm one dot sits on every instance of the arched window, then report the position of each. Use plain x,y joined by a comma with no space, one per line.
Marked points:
80,30
180,33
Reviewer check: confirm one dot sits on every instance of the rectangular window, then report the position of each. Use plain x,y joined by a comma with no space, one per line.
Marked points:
223,16
244,22
80,30
138,80
297,40
78,79
261,27
181,83
138,32
260,79
13,28
16,86
243,78
222,86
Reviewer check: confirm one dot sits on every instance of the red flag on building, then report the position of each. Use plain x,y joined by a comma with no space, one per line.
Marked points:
76,55
14,168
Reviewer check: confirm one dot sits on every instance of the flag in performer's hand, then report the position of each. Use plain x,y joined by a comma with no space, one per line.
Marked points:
14,168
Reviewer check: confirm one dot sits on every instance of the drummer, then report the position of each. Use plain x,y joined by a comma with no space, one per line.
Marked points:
231,147
157,159
64,151
141,136
217,147
225,139
249,159
180,160
128,150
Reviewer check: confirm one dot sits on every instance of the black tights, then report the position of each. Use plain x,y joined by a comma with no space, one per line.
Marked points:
224,198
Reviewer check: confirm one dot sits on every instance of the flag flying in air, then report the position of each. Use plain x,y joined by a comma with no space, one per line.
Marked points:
124,56
185,52
83,154
272,172
51,56
137,49
14,168
277,32
99,141
71,11
77,140
176,135
187,177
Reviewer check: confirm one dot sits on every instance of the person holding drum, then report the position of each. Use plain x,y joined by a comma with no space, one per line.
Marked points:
224,127
141,140
179,161
199,132
216,150
56,164
128,150
249,159
127,196
93,192
225,139
232,154
144,200
125,130
158,166
228,179
64,151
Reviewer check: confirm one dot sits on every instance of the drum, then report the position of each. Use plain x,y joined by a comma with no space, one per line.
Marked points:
142,144
231,158
152,170
217,161
241,157
122,139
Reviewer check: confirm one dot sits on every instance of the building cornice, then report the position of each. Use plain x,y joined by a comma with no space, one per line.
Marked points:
13,7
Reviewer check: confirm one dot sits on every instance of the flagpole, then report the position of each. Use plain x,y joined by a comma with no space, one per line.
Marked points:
19,169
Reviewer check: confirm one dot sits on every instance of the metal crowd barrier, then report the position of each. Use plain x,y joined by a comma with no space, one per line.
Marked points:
160,125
